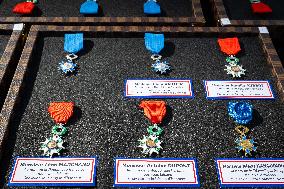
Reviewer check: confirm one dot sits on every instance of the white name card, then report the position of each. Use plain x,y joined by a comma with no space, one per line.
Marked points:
173,88
238,90
53,172
162,172
250,172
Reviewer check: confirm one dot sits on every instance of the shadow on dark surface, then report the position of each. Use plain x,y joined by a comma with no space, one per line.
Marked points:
37,12
168,50
242,53
77,114
208,13
88,46
256,120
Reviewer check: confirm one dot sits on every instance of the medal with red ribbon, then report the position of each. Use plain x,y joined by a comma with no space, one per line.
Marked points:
231,47
61,113
155,111
259,7
25,8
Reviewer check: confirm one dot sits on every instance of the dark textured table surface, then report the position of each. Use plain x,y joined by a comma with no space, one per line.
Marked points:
108,125
127,8
241,10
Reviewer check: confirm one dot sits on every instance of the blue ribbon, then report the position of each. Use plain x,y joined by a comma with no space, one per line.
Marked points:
89,7
154,42
73,43
152,7
241,112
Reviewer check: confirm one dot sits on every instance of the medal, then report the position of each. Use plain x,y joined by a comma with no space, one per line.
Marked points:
231,47
61,113
89,7
244,144
73,43
241,112
152,7
259,7
155,43
25,7
155,111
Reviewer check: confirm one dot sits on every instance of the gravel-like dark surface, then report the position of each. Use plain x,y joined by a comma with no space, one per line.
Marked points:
128,8
108,125
241,10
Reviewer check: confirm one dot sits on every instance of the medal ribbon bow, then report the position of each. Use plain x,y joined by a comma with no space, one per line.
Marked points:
154,110
25,7
61,111
152,7
229,46
73,43
154,42
260,7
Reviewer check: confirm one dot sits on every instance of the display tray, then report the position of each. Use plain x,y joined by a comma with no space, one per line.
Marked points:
240,14
187,12
108,125
9,52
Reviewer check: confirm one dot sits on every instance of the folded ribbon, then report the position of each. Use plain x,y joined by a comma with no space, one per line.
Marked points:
260,8
73,43
152,7
241,112
229,46
89,7
154,42
154,110
24,8
61,111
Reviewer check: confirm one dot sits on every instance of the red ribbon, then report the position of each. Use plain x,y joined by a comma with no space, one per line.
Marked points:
230,46
24,8
61,111
260,8
154,110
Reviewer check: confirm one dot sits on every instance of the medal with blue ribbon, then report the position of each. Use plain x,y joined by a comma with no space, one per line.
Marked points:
155,43
152,7
73,43
241,112
89,7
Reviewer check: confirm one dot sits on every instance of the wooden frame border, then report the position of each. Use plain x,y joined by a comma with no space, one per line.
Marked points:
7,60
18,84
220,13
197,19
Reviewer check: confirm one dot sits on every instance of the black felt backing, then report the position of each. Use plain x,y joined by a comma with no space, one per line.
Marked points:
109,125
127,8
241,10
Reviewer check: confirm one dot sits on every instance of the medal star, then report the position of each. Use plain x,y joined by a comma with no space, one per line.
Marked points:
235,70
150,144
52,145
246,145
67,66
161,67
